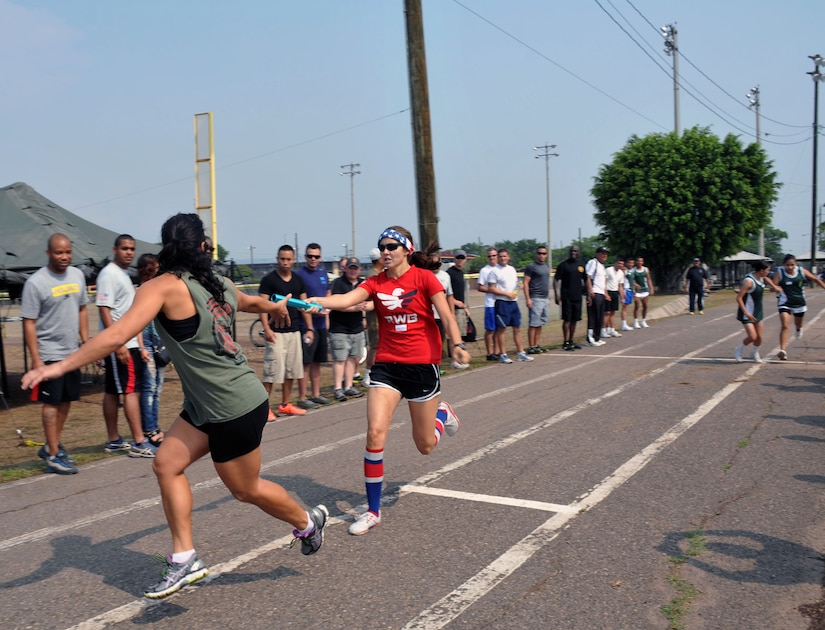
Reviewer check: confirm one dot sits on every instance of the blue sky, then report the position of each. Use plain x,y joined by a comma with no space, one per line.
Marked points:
98,99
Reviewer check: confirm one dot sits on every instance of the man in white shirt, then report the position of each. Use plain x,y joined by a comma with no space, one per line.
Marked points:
503,284
489,303
596,297
615,295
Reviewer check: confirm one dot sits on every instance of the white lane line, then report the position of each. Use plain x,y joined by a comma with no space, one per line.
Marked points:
453,604
146,503
484,498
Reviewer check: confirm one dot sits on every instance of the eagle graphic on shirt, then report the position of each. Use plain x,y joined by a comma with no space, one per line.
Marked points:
397,299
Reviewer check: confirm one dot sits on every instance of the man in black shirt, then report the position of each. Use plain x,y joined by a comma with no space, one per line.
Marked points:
456,273
574,281
696,280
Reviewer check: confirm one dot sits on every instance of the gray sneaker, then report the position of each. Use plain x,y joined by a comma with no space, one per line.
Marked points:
339,395
60,465
307,404
117,446
144,449
176,576
523,356
321,400
351,392
312,542
503,358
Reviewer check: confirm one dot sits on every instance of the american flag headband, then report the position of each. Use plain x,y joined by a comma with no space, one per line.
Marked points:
398,236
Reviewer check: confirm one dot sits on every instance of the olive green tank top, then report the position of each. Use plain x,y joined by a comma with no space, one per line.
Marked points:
218,384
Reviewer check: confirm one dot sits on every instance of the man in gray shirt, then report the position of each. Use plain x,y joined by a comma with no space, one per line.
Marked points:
536,296
54,325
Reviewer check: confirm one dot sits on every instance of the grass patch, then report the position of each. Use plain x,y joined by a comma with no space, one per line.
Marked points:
686,592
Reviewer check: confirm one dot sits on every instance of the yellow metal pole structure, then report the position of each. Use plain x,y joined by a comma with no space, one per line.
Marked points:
205,154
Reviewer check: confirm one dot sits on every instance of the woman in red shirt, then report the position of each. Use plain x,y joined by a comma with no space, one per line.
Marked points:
408,356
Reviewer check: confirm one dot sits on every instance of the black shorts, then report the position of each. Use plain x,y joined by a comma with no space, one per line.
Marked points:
124,378
316,352
571,310
56,391
615,301
235,438
416,382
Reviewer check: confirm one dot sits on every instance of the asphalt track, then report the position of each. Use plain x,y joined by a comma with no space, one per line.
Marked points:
565,501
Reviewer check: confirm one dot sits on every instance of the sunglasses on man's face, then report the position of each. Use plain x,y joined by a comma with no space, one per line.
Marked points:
389,247
313,256
460,257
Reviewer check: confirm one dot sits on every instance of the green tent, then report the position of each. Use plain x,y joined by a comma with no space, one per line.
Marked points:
28,219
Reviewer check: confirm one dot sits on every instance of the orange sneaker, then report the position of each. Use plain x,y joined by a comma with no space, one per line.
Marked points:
271,417
291,410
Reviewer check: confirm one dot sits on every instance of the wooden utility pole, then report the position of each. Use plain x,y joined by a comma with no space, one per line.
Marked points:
422,134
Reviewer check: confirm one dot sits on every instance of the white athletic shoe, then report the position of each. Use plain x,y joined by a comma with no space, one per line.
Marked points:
452,423
799,333
756,358
782,355
615,333
364,523
636,324
737,354
644,324
626,328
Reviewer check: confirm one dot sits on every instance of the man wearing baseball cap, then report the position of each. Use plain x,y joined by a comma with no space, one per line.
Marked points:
696,281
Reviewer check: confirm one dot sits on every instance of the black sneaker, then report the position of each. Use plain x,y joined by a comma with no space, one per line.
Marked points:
312,542
493,357
176,576
575,346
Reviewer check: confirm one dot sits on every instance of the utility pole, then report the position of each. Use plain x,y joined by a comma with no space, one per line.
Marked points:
352,173
753,98
422,134
817,76
251,255
547,155
672,48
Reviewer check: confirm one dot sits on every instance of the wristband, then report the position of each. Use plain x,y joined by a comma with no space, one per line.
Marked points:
460,345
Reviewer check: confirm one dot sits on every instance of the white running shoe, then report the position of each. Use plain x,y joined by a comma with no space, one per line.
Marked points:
451,424
364,523
626,328
644,324
737,354
615,333
756,358
799,333
600,342
636,324
782,355
523,356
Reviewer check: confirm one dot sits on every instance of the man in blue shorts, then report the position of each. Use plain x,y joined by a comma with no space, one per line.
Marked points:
489,303
503,284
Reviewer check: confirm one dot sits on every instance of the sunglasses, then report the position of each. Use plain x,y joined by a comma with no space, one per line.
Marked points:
542,253
389,247
313,256
460,257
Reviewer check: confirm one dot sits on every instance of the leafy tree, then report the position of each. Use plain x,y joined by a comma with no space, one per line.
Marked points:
223,253
773,243
670,198
522,253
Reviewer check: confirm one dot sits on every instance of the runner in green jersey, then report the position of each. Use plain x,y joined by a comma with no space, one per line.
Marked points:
791,278
750,311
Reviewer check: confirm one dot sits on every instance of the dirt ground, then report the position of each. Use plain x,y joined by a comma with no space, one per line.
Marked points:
85,429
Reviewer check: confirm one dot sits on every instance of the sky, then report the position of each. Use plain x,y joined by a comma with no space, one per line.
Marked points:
98,99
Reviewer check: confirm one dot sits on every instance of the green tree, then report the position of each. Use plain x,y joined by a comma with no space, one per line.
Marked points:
773,243
670,198
522,253
223,253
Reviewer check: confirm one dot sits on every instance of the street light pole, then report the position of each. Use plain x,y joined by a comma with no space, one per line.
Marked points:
251,255
547,155
672,48
753,98
352,173
817,76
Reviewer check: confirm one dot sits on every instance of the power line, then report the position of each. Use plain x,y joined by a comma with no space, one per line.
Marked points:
245,160
555,63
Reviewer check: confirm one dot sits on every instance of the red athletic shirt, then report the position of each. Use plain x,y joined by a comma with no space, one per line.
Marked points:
407,332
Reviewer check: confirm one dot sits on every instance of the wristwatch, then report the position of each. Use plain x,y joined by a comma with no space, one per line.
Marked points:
460,345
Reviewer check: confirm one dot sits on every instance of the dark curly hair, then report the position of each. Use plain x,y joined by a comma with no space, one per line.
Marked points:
183,239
